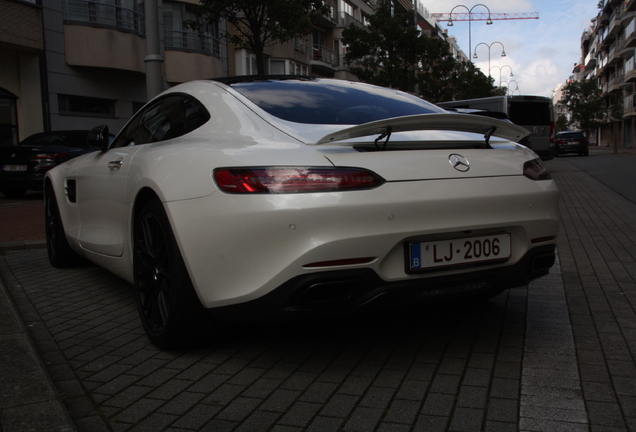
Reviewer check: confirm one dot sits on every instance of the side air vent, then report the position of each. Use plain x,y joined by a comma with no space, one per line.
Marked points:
71,190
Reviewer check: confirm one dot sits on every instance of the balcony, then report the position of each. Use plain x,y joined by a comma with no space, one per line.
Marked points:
190,41
301,45
613,83
324,58
630,71
345,20
97,14
615,25
614,56
629,110
329,19
590,61
630,34
116,35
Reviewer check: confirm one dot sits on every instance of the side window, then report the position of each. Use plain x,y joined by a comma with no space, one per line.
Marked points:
166,118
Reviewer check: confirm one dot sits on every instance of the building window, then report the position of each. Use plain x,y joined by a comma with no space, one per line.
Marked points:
85,106
250,65
8,118
204,40
298,68
277,67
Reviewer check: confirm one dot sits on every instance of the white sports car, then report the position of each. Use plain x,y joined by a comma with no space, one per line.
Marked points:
247,198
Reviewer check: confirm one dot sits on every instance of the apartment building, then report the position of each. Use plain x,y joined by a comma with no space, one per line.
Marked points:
320,53
21,49
608,54
75,64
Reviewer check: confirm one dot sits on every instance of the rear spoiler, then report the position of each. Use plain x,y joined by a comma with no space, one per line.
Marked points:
434,121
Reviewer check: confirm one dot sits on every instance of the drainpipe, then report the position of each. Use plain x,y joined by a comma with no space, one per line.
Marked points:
154,59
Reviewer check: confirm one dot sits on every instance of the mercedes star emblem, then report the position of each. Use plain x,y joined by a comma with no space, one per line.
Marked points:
459,162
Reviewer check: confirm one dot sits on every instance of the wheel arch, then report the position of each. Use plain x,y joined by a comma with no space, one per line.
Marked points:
143,196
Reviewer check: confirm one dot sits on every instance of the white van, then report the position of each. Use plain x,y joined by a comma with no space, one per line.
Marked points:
534,113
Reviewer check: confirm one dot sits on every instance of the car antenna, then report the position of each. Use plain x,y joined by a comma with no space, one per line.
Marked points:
387,134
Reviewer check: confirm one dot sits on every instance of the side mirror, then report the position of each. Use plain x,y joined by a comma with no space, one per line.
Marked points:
98,137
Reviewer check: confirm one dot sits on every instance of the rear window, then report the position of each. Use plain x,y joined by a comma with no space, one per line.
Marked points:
570,135
332,101
527,113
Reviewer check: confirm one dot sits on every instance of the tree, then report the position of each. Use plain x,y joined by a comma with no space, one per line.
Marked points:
561,123
388,51
384,52
258,24
615,115
472,83
583,101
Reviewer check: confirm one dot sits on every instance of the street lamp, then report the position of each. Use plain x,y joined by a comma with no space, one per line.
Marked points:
503,51
470,11
508,87
500,69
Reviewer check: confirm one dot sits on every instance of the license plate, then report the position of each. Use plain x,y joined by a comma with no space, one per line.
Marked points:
14,168
458,251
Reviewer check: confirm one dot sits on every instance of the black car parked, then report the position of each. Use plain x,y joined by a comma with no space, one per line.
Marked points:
22,166
571,142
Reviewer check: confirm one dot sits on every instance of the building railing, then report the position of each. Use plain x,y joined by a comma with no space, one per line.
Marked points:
631,27
616,16
192,41
324,54
331,15
98,14
590,60
629,65
602,34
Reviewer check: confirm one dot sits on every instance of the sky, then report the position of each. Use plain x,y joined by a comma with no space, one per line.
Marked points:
540,52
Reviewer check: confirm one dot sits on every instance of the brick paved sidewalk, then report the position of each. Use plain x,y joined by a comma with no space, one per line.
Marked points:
597,249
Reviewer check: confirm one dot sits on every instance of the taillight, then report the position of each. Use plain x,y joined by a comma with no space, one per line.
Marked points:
46,157
46,161
279,180
552,131
536,170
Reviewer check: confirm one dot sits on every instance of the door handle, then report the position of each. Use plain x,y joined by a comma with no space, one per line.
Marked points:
115,165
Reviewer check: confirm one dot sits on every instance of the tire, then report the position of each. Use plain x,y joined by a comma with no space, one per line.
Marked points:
13,191
59,252
168,306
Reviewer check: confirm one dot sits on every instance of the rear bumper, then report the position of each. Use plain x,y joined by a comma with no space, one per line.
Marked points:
344,291
578,148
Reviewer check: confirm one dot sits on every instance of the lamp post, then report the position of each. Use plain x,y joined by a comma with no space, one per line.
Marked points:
503,51
500,69
508,87
470,11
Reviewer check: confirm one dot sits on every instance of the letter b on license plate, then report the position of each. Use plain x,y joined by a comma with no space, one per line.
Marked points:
467,250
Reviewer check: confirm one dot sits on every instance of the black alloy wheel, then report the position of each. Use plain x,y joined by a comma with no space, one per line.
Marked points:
169,309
